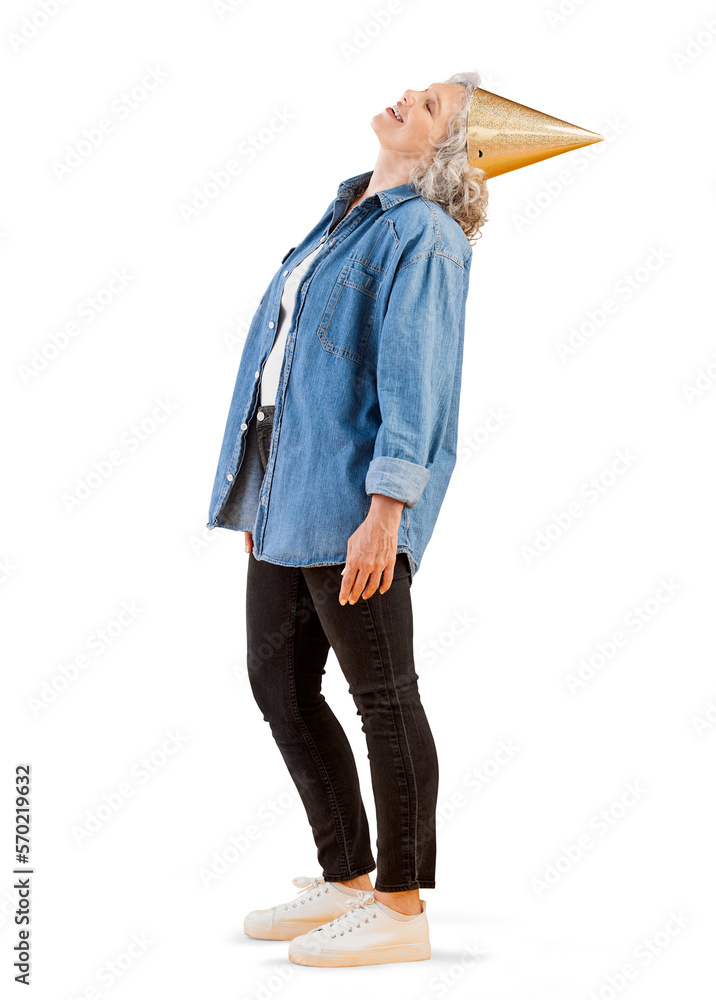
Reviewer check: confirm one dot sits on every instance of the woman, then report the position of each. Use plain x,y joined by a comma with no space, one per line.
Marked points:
354,358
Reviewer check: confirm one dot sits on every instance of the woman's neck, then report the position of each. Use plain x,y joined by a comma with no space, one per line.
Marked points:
391,170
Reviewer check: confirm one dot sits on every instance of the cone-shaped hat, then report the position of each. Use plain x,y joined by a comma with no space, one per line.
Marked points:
503,135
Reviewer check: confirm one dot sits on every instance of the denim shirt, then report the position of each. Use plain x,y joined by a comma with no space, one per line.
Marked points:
369,389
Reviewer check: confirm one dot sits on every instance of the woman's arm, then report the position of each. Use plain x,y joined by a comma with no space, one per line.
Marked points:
418,353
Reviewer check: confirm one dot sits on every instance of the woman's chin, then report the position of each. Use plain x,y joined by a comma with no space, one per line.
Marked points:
383,130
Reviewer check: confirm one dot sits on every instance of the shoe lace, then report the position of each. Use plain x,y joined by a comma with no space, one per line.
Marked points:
360,909
304,883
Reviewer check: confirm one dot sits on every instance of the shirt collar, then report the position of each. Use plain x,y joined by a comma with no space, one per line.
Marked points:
350,187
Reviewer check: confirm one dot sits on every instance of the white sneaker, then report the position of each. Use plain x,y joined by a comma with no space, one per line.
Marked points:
318,902
368,933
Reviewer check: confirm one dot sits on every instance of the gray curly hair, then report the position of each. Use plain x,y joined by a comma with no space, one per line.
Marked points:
448,178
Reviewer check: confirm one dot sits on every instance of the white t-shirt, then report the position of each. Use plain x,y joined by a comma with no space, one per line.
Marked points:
272,368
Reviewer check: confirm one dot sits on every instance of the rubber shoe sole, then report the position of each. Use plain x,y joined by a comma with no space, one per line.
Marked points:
418,952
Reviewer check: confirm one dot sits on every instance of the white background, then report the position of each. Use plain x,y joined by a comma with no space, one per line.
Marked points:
498,633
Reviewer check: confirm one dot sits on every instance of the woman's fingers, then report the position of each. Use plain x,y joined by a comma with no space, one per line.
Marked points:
373,583
387,577
361,581
354,580
248,542
349,574
359,585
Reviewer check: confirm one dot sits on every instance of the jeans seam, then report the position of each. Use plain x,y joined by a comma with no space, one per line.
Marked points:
353,873
406,861
305,733
402,887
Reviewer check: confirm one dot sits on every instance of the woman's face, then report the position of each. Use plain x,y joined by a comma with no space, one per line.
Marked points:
424,113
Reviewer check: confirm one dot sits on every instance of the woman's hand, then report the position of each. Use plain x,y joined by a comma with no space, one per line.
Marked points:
248,542
372,551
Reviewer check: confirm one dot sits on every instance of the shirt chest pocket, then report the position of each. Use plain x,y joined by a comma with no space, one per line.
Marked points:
348,317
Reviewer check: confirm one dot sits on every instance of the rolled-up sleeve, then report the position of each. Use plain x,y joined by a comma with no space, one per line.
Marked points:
417,358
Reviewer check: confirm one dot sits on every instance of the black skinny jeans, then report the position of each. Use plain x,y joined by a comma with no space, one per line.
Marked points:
293,618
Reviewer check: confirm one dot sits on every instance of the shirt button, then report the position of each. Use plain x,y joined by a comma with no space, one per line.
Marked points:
230,478
271,325
260,415
331,243
244,426
285,273
256,374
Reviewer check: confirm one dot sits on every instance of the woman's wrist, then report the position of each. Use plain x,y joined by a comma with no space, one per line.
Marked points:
383,506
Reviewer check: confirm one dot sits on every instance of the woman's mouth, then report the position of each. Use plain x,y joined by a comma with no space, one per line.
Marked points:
394,113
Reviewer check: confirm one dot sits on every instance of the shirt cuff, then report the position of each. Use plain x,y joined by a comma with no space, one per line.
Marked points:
394,477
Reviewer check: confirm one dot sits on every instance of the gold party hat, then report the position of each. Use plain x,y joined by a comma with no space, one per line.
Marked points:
503,135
